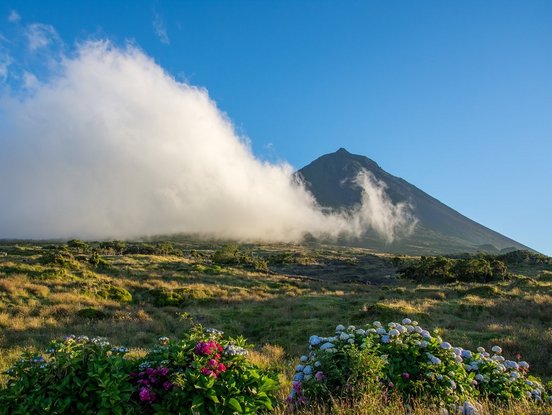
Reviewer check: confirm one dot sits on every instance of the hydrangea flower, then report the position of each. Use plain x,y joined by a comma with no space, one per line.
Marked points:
496,349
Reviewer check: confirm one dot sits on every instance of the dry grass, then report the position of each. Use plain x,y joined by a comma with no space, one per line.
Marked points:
39,302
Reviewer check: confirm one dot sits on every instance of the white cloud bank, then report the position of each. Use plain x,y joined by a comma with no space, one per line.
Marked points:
114,147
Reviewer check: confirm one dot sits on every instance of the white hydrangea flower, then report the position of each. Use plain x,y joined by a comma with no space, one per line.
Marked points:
351,328
406,321
496,349
360,332
394,332
376,324
351,341
524,364
457,351
458,359
481,349
343,336
392,325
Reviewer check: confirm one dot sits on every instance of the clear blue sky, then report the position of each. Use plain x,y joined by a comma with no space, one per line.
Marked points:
455,97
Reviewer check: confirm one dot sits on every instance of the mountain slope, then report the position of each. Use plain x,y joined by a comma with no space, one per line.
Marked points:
440,229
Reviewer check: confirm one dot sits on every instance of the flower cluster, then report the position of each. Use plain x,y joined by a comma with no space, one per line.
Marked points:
213,368
418,364
233,350
152,381
173,376
208,348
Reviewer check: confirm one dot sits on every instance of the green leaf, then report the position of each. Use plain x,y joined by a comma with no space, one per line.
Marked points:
235,405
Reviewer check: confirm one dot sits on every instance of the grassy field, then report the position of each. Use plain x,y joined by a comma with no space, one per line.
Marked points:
274,295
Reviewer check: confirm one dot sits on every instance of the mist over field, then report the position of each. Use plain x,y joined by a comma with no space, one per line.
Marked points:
112,146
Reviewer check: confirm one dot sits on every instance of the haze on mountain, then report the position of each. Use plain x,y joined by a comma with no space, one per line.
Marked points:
332,179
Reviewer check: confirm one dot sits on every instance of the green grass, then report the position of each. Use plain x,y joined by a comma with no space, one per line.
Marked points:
133,299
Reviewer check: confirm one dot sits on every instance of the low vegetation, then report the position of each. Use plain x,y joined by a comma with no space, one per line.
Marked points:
276,296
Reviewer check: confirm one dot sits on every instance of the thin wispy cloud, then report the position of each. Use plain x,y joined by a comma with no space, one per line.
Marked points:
160,28
14,17
5,62
40,36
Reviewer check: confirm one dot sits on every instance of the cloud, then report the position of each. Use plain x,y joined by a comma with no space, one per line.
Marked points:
114,147
41,36
5,62
160,28
14,17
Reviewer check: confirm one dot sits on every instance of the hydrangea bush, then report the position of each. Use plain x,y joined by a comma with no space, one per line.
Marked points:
204,373
76,375
408,360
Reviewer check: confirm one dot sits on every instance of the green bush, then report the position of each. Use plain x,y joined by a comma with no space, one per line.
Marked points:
108,291
92,313
231,255
60,257
75,376
204,373
78,245
97,261
444,269
414,364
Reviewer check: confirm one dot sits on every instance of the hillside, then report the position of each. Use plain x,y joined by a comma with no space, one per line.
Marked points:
440,229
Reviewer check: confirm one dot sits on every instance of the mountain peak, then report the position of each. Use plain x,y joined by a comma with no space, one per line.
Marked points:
331,180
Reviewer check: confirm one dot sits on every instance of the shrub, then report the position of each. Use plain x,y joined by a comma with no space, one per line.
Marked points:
206,373
97,261
443,269
108,291
60,257
78,245
75,376
231,255
92,313
415,365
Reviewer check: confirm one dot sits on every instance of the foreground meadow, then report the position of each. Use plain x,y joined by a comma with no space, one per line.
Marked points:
276,296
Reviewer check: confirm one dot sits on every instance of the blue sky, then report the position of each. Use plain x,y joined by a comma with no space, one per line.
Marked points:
455,97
